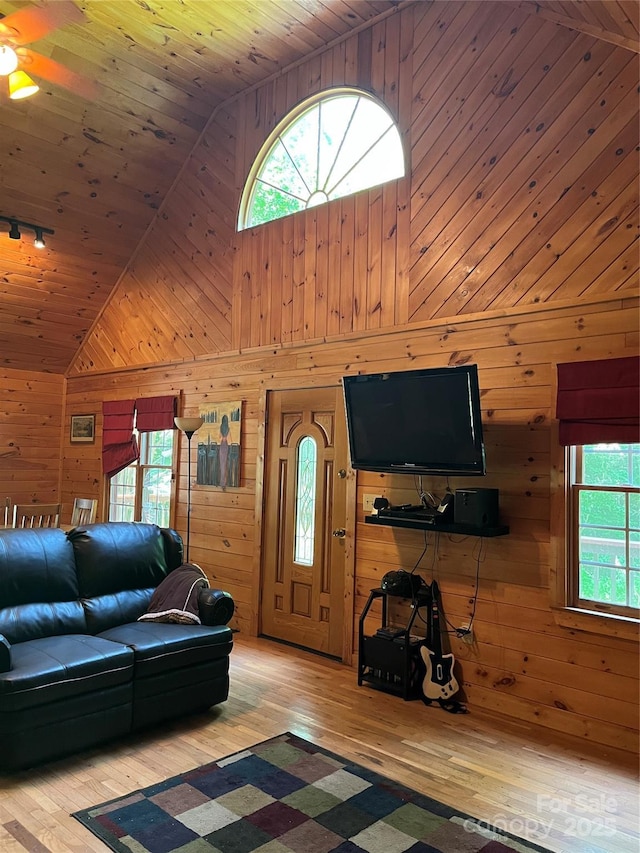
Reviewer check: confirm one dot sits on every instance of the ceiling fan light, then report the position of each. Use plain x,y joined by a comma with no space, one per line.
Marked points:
21,86
8,60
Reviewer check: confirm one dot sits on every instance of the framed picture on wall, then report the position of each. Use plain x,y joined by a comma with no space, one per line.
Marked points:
83,428
219,445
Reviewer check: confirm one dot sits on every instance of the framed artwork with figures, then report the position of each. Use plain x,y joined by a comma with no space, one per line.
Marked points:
219,445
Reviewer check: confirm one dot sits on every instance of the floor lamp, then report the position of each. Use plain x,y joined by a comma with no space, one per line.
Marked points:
188,426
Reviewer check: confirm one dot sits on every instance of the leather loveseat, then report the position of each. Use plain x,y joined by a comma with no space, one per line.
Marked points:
76,667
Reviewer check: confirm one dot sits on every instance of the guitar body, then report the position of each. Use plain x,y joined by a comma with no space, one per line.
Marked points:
439,681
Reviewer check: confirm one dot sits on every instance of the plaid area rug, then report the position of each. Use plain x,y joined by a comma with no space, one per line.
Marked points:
287,795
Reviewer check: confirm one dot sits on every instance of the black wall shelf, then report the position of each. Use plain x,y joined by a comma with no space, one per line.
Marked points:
412,522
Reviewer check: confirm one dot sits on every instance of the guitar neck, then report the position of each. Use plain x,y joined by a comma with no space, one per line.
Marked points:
435,639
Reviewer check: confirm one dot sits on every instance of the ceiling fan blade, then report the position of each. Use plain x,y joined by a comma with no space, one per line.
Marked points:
32,23
41,66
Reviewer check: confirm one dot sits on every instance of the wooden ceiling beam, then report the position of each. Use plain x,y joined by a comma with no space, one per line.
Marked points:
577,22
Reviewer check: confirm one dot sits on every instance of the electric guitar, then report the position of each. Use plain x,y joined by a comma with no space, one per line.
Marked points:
439,681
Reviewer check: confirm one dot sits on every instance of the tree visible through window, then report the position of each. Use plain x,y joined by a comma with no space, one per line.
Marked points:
142,490
605,513
332,145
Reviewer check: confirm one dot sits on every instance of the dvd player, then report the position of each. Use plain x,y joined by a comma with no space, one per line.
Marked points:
409,511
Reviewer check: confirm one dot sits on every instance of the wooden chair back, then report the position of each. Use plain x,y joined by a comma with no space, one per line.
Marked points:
84,511
36,515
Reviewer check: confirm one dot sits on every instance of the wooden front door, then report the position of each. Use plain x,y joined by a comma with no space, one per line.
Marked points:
303,578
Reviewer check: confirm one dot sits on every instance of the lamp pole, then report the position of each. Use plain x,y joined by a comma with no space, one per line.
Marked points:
188,426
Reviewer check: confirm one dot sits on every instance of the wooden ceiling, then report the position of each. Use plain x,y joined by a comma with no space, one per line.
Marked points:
97,170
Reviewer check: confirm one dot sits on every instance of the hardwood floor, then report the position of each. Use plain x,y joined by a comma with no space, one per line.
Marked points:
565,794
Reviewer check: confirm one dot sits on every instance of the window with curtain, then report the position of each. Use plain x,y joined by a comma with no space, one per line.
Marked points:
119,443
143,490
598,409
605,523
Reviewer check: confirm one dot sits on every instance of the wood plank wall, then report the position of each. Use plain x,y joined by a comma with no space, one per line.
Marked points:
522,190
31,419
511,244
523,663
524,157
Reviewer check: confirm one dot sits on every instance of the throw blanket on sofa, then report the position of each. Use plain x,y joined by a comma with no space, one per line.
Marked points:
176,597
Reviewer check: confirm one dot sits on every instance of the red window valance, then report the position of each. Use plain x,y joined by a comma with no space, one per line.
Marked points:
119,445
154,413
599,401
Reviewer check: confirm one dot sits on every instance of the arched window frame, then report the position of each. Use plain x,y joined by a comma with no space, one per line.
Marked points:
248,193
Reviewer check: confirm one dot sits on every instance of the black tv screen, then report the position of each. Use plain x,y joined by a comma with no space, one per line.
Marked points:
416,421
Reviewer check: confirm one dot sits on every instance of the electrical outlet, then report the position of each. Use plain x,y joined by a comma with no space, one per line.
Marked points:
466,635
367,502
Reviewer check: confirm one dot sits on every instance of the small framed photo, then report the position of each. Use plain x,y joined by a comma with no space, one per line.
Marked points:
83,428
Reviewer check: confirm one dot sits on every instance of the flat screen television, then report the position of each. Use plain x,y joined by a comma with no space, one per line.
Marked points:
416,421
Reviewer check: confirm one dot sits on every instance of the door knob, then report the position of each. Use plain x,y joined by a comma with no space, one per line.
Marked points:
339,533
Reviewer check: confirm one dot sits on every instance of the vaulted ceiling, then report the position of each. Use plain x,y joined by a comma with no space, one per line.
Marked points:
96,164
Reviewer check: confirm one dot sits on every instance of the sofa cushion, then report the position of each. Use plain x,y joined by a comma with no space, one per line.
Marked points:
106,611
38,585
55,668
43,619
160,647
119,564
119,556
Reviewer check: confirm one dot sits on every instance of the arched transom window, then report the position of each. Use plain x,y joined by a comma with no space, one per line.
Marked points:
330,146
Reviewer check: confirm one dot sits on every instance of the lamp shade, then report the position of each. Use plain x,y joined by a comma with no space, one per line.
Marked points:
21,85
188,424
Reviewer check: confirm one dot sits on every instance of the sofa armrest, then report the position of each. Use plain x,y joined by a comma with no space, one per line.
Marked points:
215,606
5,654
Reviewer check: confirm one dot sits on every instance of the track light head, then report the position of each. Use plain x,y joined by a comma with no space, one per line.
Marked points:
16,224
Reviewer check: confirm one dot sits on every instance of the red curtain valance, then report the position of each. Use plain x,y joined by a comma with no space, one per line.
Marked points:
119,445
154,413
599,401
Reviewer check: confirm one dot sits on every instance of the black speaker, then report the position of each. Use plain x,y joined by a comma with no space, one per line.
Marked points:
476,507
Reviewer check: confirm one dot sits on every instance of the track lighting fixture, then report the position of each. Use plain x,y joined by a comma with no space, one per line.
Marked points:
16,224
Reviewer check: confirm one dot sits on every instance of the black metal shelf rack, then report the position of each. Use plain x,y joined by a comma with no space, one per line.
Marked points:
391,664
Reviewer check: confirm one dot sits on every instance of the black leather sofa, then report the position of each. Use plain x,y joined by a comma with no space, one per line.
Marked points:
76,667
